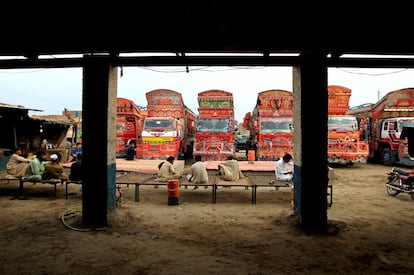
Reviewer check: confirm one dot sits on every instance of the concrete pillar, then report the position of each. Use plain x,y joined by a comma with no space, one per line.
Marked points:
98,137
310,109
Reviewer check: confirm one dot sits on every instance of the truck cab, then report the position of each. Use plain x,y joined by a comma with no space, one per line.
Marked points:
389,141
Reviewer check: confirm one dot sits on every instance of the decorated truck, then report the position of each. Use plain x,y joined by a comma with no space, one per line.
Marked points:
129,121
344,143
215,125
382,123
271,125
169,127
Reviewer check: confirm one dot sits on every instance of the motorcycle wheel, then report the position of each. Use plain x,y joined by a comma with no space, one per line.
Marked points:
391,191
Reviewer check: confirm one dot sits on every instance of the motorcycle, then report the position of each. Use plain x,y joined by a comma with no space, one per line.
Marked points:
400,181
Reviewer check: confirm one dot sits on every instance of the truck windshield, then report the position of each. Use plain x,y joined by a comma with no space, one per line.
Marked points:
157,124
283,126
213,125
338,123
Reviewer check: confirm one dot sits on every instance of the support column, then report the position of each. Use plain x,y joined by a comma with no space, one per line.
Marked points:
98,137
310,110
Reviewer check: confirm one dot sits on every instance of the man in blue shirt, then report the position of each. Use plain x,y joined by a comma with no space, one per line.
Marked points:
75,151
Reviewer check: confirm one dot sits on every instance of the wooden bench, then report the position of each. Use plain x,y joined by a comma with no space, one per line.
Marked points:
266,180
243,182
261,180
22,180
138,179
8,178
78,182
253,181
212,179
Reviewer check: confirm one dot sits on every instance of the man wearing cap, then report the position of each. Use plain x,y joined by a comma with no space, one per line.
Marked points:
53,170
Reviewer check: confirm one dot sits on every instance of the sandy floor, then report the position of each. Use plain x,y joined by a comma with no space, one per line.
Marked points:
370,232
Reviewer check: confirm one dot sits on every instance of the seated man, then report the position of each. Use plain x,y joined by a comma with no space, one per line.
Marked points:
167,171
54,170
230,170
36,167
75,151
76,169
198,171
16,166
131,151
284,168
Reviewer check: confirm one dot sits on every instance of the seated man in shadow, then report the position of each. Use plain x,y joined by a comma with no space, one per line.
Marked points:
76,169
131,151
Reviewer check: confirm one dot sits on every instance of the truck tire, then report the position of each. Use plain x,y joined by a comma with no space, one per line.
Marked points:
387,157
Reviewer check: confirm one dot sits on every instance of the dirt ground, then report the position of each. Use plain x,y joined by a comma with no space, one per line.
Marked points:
370,232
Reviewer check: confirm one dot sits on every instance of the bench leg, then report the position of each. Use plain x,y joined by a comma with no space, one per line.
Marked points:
21,192
214,193
66,190
136,192
254,192
21,188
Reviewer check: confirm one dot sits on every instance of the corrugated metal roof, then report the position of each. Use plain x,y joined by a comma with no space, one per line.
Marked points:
18,107
58,119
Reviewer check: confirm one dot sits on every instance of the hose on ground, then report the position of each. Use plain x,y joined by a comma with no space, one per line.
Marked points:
69,213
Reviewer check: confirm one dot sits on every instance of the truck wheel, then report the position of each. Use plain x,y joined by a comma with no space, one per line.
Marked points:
387,157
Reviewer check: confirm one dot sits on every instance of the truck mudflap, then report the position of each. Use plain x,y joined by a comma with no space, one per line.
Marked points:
214,150
347,152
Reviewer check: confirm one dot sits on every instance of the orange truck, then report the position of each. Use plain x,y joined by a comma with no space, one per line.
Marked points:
271,125
169,127
129,121
344,143
382,123
215,125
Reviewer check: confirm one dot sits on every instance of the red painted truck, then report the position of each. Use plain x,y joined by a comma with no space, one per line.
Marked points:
344,144
382,123
129,121
270,125
169,127
215,125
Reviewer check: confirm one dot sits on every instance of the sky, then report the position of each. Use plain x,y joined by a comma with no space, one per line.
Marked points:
53,90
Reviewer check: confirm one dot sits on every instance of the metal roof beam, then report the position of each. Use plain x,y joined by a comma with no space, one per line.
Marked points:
209,61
